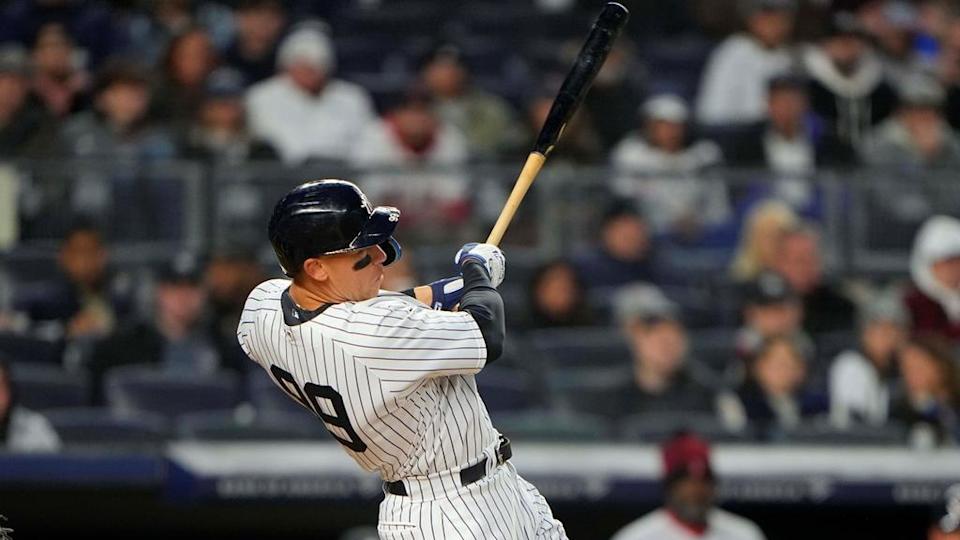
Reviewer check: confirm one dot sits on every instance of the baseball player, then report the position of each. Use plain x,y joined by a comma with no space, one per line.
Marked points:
390,374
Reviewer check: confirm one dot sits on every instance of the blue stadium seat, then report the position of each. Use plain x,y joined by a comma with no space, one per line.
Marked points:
714,348
552,426
137,388
658,427
267,397
822,433
580,347
413,17
103,427
502,20
43,387
23,348
231,426
506,389
587,390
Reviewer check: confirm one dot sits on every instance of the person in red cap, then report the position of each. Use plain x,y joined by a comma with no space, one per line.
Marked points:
688,512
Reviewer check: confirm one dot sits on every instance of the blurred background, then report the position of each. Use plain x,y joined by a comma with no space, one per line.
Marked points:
748,232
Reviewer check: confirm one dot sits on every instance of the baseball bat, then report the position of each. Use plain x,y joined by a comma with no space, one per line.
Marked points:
591,57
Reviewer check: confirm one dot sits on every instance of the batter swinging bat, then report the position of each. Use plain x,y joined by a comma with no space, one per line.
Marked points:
605,30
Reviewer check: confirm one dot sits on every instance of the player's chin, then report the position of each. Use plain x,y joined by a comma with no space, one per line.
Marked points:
375,284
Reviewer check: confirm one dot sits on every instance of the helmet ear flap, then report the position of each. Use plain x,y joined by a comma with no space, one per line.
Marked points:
393,250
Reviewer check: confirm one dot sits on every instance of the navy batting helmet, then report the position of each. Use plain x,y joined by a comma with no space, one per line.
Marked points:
325,217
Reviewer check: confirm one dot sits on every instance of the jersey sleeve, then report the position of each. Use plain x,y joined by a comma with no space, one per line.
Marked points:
403,342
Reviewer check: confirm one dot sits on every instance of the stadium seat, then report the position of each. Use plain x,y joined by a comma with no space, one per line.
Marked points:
42,387
103,427
137,388
415,17
235,426
823,433
658,427
552,426
504,21
22,348
714,348
587,390
267,397
506,389
580,347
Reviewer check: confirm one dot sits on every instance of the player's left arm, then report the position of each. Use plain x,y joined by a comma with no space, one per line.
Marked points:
443,294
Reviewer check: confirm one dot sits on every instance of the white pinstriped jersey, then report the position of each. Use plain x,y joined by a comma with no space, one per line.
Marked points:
392,379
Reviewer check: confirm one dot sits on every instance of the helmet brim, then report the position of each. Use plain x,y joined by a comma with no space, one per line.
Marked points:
378,231
378,228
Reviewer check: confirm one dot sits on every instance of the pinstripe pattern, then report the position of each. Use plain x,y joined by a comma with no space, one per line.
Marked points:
406,377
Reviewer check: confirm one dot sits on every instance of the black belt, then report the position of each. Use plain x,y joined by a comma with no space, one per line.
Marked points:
468,475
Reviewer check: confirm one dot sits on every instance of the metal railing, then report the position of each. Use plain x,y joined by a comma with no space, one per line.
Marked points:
868,216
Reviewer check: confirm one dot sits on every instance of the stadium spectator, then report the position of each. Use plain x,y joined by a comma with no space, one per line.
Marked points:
948,72
118,126
259,26
229,276
10,319
934,298
862,379
84,299
22,430
615,95
186,63
412,134
917,135
175,338
689,511
304,112
558,298
770,308
624,254
847,84
733,90
99,34
893,25
152,25
25,127
219,131
760,239
945,524
485,119
775,395
660,169
800,261
664,380
426,157
930,400
792,142
59,80
580,143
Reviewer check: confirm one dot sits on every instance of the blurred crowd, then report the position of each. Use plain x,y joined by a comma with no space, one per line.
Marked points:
610,341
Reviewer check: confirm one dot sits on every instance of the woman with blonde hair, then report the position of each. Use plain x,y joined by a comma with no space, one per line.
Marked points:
760,238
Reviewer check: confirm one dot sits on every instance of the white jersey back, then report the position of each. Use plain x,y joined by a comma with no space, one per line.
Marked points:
392,379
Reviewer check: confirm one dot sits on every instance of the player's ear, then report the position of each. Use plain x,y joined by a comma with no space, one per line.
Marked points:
315,269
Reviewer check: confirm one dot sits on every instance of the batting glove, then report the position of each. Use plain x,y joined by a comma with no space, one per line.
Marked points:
447,293
488,255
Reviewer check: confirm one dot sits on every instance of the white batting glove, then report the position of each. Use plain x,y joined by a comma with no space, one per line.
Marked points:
488,255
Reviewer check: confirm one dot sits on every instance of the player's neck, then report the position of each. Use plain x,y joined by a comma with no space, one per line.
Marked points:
310,297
